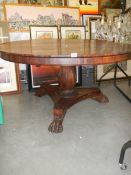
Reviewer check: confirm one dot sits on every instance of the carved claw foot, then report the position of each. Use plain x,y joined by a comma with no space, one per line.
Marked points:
101,98
56,125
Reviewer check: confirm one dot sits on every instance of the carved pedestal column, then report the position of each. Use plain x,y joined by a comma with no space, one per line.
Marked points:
67,81
65,95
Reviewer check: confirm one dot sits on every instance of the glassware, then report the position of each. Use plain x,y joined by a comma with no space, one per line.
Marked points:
117,29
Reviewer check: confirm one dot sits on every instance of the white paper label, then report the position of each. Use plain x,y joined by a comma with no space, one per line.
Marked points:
73,54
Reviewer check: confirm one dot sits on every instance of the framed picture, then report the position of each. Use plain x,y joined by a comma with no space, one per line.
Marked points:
40,74
9,72
72,32
113,4
113,12
85,22
52,2
86,7
20,16
43,32
101,69
9,78
92,26
2,9
1,12
128,4
4,34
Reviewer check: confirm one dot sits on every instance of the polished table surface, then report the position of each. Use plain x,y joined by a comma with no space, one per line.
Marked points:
67,54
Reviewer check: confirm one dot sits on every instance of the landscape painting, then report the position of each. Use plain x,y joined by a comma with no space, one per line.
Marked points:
21,16
52,2
44,35
72,32
76,34
43,32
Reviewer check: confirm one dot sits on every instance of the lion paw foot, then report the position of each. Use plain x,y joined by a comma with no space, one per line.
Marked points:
56,127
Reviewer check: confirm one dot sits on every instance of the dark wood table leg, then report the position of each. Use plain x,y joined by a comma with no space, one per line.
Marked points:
65,95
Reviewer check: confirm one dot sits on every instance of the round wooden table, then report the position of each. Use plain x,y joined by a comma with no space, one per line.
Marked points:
67,54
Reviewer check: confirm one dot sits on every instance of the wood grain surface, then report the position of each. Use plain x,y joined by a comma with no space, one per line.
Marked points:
65,52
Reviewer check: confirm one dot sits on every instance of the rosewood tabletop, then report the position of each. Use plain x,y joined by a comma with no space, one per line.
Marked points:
67,54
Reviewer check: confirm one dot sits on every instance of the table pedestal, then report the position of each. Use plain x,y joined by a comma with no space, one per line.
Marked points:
65,95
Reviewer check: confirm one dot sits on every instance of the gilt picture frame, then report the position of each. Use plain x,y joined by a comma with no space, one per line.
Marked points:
4,34
86,23
73,32
86,6
2,9
112,4
111,13
52,2
128,4
92,26
43,32
21,16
